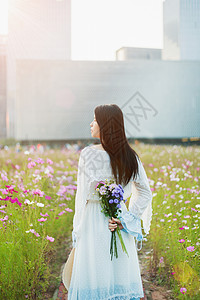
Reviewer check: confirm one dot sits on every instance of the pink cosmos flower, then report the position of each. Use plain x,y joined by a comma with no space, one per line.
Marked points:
51,239
181,228
3,206
47,197
50,175
4,191
4,177
10,189
181,240
16,200
194,209
31,164
45,215
187,201
161,260
190,248
40,161
61,213
68,209
36,234
49,161
42,220
5,218
38,192
183,290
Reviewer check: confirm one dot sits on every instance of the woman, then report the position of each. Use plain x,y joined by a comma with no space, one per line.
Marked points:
94,274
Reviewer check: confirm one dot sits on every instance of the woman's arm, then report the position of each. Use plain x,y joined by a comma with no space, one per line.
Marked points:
78,198
139,206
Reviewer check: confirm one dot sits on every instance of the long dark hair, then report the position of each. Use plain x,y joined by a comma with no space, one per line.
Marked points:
113,139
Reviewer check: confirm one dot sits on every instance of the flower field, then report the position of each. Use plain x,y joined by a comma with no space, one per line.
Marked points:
174,237
37,205
36,212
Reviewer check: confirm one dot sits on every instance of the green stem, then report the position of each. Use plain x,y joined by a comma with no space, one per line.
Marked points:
111,246
115,243
121,240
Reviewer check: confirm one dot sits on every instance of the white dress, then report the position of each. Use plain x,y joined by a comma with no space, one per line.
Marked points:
94,275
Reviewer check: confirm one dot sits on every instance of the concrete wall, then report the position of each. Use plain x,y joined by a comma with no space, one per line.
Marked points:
56,99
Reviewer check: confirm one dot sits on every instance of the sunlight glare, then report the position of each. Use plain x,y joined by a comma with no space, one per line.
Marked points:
3,16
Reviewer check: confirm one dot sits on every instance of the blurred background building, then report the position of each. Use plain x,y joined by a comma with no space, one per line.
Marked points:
130,53
60,104
38,30
3,88
181,21
47,96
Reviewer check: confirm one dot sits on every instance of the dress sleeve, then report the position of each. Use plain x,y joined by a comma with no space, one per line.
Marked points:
79,199
140,206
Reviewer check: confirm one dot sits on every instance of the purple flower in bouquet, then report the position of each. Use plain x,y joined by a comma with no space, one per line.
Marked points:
111,195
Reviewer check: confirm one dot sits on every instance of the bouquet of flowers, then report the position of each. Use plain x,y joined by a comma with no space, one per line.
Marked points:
111,195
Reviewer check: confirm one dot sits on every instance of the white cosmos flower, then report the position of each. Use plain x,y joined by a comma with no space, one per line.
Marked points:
28,201
40,204
46,171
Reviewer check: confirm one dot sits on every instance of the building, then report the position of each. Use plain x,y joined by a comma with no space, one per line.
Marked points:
38,30
56,99
181,24
130,53
3,88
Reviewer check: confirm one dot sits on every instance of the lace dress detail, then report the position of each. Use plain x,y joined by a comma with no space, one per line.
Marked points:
94,275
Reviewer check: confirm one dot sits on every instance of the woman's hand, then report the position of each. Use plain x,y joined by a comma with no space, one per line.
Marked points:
113,224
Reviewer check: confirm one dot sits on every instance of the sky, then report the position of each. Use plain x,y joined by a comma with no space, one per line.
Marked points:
100,27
